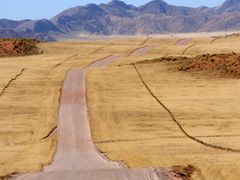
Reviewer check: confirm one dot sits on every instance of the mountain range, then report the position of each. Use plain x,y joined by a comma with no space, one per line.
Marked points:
119,18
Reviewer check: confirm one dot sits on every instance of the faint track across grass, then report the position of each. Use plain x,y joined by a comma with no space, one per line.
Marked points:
179,124
10,81
186,49
145,41
65,60
215,39
99,49
51,133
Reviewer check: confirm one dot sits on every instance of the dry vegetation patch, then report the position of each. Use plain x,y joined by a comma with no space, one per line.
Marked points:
228,64
18,47
183,172
221,64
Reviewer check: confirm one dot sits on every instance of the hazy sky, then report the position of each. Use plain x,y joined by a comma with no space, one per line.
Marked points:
37,9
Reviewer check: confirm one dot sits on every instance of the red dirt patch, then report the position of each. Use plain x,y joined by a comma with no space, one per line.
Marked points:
223,64
18,47
183,173
228,64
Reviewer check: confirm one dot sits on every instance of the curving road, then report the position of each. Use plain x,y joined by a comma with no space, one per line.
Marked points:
140,51
183,42
76,157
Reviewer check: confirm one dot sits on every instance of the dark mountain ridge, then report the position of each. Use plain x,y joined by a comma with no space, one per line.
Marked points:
117,17
230,6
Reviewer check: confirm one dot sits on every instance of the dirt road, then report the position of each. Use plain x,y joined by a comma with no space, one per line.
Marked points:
76,156
183,42
140,51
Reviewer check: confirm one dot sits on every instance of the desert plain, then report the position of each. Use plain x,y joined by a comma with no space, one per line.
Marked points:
143,114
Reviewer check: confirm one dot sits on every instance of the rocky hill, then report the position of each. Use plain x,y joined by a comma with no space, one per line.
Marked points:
117,17
18,47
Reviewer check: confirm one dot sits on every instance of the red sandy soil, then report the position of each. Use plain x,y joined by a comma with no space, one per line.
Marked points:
18,47
221,64
228,64
183,173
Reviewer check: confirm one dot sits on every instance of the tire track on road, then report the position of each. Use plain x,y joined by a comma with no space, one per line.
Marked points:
179,124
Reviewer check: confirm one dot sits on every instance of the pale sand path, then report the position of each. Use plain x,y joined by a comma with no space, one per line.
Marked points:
76,156
183,42
141,51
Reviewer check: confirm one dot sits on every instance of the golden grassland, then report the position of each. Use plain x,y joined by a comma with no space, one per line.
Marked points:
29,103
127,123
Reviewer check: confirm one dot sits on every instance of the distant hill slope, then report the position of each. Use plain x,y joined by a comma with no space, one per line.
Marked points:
120,18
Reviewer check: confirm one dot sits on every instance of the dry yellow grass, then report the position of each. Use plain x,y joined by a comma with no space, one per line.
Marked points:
127,123
29,105
29,111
